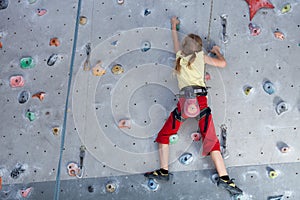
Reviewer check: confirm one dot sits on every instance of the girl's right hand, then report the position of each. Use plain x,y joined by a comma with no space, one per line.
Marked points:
174,20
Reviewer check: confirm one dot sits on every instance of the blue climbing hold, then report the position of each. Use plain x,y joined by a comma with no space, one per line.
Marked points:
152,184
269,87
173,139
23,97
146,46
186,158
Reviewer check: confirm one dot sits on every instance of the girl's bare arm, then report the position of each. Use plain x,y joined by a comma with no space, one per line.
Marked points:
219,61
174,22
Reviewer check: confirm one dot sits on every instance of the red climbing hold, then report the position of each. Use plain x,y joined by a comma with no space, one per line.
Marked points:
124,123
41,12
255,5
16,81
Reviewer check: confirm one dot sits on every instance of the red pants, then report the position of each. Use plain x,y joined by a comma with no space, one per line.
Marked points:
210,140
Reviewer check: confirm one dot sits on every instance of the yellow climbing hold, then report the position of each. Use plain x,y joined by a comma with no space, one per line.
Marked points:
55,130
98,70
286,8
117,69
82,20
273,174
247,90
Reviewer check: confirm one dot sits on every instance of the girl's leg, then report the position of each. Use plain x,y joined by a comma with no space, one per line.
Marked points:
219,163
163,155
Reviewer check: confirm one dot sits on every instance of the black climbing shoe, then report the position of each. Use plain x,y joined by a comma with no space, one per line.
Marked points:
230,186
157,174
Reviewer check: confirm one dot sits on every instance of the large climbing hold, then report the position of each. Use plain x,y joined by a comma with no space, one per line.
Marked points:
255,5
281,107
152,184
186,158
268,87
27,63
16,81
23,97
3,4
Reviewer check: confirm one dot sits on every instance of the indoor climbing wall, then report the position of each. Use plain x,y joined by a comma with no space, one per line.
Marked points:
86,86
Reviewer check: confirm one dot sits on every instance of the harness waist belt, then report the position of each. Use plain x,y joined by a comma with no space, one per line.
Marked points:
202,91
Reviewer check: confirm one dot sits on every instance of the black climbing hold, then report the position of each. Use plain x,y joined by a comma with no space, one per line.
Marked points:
3,4
91,189
186,158
278,197
17,171
52,59
146,46
147,12
23,97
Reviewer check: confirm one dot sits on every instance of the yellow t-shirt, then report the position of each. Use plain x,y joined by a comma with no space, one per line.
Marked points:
193,75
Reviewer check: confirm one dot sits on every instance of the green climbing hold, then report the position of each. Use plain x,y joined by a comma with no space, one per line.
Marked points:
30,116
173,139
27,63
31,1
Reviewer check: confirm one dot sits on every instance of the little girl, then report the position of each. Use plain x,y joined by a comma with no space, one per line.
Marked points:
190,64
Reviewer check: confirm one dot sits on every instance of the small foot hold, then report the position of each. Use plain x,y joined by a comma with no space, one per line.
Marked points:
186,158
283,147
82,20
152,184
27,63
98,70
196,136
3,4
215,178
52,59
277,197
273,174
25,193
146,46
55,130
23,97
173,139
268,87
110,187
247,90
73,169
124,123
41,12
54,42
279,35
281,107
39,95
286,8
254,29
117,69
147,12
120,2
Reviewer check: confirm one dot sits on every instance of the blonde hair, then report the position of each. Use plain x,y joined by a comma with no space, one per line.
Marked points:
191,44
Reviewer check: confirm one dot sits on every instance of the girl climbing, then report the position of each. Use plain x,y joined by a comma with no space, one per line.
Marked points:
190,72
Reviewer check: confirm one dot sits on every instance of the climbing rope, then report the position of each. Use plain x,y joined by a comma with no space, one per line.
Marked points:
63,132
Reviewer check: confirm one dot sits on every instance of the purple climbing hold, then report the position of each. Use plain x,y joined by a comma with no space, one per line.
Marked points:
254,29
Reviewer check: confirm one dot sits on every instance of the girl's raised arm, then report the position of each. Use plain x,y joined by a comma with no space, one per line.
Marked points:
174,22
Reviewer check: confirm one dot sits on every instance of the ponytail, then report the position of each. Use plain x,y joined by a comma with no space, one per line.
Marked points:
178,66
192,59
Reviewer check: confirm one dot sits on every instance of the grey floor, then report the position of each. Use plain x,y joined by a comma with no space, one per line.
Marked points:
145,93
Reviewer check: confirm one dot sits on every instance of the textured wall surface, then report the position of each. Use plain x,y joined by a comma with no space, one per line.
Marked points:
144,93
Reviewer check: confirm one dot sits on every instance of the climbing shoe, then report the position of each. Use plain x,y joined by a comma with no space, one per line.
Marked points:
230,186
157,174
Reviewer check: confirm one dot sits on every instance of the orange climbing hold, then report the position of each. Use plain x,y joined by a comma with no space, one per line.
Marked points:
40,96
98,70
279,35
16,81
124,123
54,42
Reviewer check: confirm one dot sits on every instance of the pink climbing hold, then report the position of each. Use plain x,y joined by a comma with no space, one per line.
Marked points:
41,12
25,193
124,123
254,29
196,136
16,81
207,76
